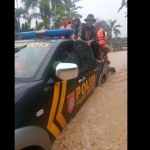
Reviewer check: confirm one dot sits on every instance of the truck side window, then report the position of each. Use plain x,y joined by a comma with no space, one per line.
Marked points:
84,55
67,54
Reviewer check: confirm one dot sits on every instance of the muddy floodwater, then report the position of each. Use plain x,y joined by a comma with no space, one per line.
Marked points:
101,124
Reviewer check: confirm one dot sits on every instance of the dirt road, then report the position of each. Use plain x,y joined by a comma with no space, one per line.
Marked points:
101,124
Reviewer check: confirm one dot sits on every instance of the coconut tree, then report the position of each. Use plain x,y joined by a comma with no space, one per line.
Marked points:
71,8
110,26
114,28
43,15
52,10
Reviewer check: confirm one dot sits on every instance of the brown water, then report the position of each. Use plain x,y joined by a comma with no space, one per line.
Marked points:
101,124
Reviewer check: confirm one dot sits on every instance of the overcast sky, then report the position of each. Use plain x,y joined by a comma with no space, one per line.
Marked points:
103,9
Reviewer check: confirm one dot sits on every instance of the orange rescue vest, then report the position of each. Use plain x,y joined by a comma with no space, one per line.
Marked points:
100,37
67,27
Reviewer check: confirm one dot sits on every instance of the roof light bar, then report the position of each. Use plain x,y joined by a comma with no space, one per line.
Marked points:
51,33
60,32
28,34
40,32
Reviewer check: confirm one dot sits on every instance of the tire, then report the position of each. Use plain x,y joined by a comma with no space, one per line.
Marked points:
103,79
100,78
32,148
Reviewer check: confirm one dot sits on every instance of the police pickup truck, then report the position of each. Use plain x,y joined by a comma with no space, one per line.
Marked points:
53,79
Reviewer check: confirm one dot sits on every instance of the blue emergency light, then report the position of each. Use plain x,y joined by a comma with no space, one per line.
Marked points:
28,34
51,33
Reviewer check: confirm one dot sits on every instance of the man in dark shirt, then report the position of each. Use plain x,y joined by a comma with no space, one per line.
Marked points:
89,34
88,31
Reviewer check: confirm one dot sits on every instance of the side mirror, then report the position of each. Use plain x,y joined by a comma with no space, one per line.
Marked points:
67,71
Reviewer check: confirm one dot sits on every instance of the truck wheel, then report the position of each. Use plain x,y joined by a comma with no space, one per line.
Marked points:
100,79
103,79
33,148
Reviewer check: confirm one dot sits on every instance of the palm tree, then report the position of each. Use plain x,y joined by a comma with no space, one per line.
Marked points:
110,26
45,11
51,10
114,28
71,9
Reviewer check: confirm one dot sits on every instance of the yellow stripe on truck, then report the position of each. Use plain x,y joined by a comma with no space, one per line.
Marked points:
51,126
60,118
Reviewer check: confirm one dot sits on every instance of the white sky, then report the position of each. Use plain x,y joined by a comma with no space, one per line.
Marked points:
103,9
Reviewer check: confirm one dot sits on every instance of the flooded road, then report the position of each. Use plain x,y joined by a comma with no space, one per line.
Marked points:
101,124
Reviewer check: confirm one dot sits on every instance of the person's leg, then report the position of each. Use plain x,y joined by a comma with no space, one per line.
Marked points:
106,49
106,59
95,47
106,52
101,53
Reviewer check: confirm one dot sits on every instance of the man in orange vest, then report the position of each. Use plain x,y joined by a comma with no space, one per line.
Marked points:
102,39
66,25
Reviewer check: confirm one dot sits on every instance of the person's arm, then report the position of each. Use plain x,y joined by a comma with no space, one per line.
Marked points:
73,35
94,37
79,38
108,36
89,42
79,33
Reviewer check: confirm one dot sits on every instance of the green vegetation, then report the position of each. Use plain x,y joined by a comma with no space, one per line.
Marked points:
48,14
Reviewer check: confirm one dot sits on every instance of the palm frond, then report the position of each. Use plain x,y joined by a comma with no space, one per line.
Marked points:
116,31
123,4
117,26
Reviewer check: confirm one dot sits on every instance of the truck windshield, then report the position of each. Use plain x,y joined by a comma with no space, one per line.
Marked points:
28,59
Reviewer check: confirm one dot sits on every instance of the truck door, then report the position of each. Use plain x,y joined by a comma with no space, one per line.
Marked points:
60,94
85,82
